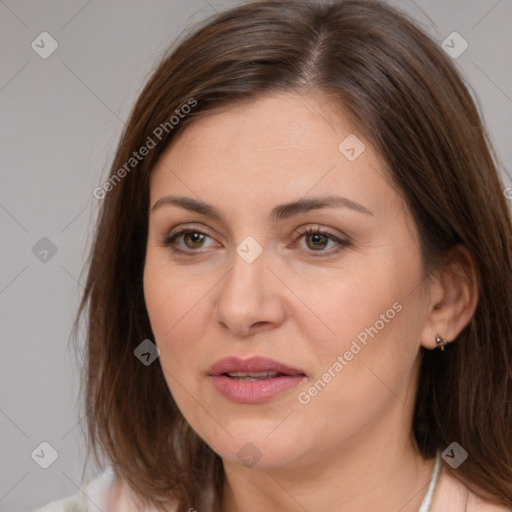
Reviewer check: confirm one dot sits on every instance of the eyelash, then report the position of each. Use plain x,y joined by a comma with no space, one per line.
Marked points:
170,240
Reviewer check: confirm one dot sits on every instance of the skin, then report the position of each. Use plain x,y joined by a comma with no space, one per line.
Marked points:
350,447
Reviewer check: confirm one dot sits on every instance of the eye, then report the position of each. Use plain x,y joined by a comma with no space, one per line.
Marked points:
186,240
315,240
318,240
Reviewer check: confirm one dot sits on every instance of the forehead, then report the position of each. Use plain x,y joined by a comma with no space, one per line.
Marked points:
287,142
279,123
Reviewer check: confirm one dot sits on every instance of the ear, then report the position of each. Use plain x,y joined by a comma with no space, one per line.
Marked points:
453,297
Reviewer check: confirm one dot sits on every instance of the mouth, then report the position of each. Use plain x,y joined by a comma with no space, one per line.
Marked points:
252,368
253,380
253,376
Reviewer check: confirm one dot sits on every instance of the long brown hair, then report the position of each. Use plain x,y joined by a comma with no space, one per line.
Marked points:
407,98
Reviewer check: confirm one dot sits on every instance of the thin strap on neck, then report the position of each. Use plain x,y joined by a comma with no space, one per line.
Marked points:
427,500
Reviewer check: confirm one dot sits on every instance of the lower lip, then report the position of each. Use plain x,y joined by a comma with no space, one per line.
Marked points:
254,392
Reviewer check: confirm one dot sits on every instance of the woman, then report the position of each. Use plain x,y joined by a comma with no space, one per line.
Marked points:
300,291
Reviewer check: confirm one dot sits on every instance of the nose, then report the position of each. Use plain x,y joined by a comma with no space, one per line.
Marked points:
250,299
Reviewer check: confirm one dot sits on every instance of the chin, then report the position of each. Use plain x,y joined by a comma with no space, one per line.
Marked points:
253,447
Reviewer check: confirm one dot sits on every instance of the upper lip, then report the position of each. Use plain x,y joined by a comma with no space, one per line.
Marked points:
252,364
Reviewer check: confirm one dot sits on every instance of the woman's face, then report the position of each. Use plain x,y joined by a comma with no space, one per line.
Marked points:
296,249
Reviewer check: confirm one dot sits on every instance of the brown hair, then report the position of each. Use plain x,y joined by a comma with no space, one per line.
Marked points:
408,99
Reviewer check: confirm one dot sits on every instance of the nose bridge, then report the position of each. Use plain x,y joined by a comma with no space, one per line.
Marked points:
247,296
245,282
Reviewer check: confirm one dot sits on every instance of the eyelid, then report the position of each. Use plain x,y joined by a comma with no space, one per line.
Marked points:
316,228
189,227
312,227
169,240
342,241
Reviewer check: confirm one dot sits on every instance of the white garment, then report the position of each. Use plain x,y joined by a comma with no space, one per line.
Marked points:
94,495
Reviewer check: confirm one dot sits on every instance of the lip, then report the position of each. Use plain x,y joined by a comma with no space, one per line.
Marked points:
253,392
252,364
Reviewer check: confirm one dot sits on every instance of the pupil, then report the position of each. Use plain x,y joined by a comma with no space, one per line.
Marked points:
318,240
194,239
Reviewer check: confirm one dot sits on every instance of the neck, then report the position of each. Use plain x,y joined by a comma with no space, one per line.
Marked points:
377,469
385,484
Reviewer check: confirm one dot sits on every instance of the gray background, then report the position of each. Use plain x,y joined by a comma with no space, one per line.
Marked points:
61,119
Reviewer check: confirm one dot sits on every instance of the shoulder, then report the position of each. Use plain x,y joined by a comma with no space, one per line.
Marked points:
103,493
91,496
452,494
70,504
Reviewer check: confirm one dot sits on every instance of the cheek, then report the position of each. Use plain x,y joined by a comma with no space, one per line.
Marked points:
178,310
368,363
373,313
348,303
178,313
172,294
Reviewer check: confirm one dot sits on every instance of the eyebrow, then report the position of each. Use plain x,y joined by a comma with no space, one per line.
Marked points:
280,212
